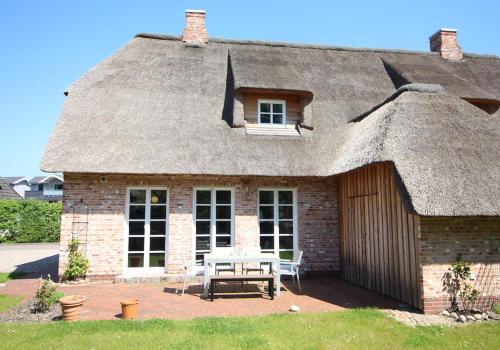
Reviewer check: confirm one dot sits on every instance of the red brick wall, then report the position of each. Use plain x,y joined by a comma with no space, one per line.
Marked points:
445,42
195,31
442,239
317,216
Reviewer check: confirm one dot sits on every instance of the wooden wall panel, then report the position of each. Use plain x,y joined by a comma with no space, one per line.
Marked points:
379,237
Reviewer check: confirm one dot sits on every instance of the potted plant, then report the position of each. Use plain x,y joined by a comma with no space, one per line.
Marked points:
71,306
129,308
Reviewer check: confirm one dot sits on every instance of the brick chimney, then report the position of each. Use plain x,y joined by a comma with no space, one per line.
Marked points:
445,42
195,31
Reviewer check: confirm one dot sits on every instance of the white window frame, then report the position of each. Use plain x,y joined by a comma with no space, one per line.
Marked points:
275,219
213,208
271,102
145,270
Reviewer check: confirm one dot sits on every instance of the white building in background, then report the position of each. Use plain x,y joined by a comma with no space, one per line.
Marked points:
18,183
48,188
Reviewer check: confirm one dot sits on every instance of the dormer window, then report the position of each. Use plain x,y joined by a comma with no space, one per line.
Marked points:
272,112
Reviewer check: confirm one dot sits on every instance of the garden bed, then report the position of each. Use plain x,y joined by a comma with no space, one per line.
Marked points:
23,314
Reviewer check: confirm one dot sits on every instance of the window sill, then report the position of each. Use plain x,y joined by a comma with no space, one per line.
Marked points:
272,131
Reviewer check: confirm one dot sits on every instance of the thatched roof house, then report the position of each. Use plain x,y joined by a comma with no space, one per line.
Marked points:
158,88
188,106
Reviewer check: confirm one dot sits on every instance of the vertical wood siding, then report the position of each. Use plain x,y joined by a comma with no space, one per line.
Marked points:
379,238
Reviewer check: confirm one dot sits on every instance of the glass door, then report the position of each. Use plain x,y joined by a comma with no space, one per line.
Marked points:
278,221
147,227
213,217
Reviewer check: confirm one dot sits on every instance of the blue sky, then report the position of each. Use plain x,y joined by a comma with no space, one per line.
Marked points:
46,45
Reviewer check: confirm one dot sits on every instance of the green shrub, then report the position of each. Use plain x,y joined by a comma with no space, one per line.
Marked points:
458,286
29,220
55,297
77,263
46,295
7,276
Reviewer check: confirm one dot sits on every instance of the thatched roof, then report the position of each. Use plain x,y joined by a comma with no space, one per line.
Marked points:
259,67
445,150
156,106
470,78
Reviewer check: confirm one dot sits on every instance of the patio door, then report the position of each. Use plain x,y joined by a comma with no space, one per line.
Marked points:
147,230
278,221
213,219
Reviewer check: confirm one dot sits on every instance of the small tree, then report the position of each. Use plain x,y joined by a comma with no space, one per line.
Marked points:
457,283
45,296
77,263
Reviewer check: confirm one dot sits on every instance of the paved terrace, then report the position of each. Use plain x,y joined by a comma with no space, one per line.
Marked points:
161,300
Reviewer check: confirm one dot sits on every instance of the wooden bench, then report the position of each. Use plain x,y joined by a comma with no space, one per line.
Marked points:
242,278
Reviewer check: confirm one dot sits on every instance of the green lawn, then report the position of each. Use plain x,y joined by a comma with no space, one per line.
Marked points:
6,276
7,302
339,330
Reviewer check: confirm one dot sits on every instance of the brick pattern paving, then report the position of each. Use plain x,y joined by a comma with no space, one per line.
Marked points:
161,300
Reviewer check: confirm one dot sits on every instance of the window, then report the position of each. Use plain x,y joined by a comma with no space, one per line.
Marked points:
58,186
147,219
277,221
213,217
40,187
272,112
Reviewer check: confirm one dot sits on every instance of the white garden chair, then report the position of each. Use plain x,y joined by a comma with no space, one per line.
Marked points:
188,272
291,268
225,267
251,251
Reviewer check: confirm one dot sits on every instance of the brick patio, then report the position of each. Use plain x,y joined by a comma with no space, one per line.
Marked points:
160,300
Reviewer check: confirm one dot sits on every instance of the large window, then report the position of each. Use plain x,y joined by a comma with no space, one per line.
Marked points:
272,112
277,221
147,219
213,216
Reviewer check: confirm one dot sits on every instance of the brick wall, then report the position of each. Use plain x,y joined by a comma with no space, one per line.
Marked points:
317,216
445,42
442,239
195,31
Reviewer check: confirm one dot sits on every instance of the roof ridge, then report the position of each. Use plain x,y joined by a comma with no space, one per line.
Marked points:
413,87
306,46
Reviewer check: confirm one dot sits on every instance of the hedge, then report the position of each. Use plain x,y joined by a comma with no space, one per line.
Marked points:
29,220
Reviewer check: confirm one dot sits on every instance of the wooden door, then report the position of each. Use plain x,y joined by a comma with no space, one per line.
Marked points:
361,232
379,237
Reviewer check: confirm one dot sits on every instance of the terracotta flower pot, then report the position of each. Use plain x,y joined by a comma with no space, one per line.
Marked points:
129,308
71,306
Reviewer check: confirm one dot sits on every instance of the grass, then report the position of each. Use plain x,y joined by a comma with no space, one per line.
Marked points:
6,276
8,301
354,329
